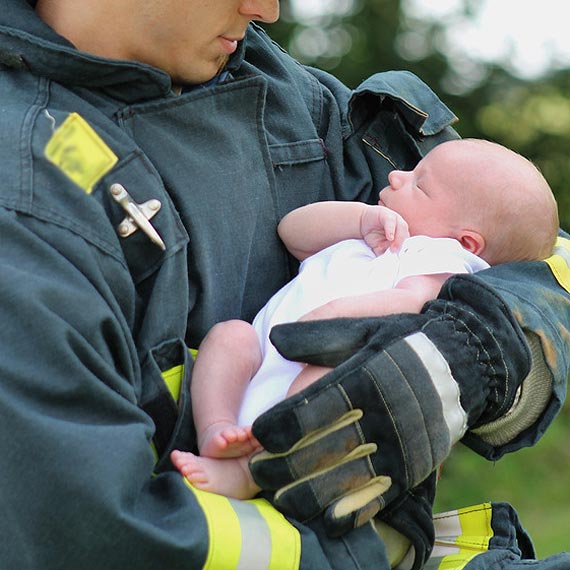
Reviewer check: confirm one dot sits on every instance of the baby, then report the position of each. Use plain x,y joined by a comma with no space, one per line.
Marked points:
468,204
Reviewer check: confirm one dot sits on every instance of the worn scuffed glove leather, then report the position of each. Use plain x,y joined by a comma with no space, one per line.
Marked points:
404,390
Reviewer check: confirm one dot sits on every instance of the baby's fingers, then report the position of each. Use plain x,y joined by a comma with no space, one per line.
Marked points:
390,225
401,233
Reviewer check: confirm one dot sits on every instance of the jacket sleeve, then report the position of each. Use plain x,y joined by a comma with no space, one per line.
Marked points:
538,294
78,482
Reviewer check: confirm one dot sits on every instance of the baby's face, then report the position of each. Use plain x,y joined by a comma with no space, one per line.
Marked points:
423,196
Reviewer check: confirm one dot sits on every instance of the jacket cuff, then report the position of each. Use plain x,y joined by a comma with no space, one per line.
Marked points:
530,403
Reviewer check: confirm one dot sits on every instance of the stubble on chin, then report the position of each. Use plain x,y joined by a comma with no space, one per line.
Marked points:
186,79
222,62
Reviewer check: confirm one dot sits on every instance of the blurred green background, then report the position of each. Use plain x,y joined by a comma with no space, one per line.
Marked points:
500,99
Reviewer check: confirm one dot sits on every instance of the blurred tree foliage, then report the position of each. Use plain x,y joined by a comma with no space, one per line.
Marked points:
356,38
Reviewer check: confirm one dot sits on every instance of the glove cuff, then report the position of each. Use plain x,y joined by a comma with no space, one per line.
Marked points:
532,399
488,355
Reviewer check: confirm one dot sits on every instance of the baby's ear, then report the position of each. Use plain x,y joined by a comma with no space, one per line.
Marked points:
472,241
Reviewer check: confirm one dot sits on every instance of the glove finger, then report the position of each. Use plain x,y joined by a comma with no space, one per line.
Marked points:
310,411
314,452
359,506
308,497
324,343
332,341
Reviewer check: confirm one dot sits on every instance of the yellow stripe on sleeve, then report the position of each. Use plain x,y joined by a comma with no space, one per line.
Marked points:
285,539
559,262
247,535
224,531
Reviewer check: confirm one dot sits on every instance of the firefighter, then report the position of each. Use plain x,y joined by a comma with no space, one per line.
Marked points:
148,151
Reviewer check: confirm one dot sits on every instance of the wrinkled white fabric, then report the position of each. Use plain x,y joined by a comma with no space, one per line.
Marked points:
344,269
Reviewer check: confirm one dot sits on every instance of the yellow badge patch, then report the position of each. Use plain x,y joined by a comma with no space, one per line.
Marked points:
79,152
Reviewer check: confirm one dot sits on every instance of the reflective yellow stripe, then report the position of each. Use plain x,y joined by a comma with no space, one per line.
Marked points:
454,561
476,527
173,380
286,542
559,262
243,535
173,377
224,531
248,535
460,536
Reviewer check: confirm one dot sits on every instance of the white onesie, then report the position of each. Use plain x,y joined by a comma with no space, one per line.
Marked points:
344,269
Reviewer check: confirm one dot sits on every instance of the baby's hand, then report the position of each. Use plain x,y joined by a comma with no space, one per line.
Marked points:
382,228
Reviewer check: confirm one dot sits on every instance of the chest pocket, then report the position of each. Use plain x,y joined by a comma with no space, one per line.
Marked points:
299,168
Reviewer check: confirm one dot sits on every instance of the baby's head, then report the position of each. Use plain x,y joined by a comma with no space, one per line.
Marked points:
491,199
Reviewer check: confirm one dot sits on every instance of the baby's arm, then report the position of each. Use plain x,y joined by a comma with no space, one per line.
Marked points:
314,227
409,296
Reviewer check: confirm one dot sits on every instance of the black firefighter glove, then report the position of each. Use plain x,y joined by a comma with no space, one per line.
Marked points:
404,390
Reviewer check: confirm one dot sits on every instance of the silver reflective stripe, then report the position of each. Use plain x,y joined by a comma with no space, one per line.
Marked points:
447,525
447,529
255,537
444,383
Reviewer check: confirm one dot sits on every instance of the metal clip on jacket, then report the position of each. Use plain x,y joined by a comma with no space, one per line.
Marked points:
138,215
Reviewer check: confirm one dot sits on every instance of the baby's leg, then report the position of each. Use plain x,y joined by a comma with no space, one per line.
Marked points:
309,375
227,359
225,476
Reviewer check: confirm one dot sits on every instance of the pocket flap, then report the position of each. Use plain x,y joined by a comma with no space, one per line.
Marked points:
422,109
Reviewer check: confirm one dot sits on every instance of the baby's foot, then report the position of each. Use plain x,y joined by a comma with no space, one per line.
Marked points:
227,440
228,477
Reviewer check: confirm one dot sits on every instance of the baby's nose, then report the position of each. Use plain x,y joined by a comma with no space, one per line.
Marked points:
396,178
